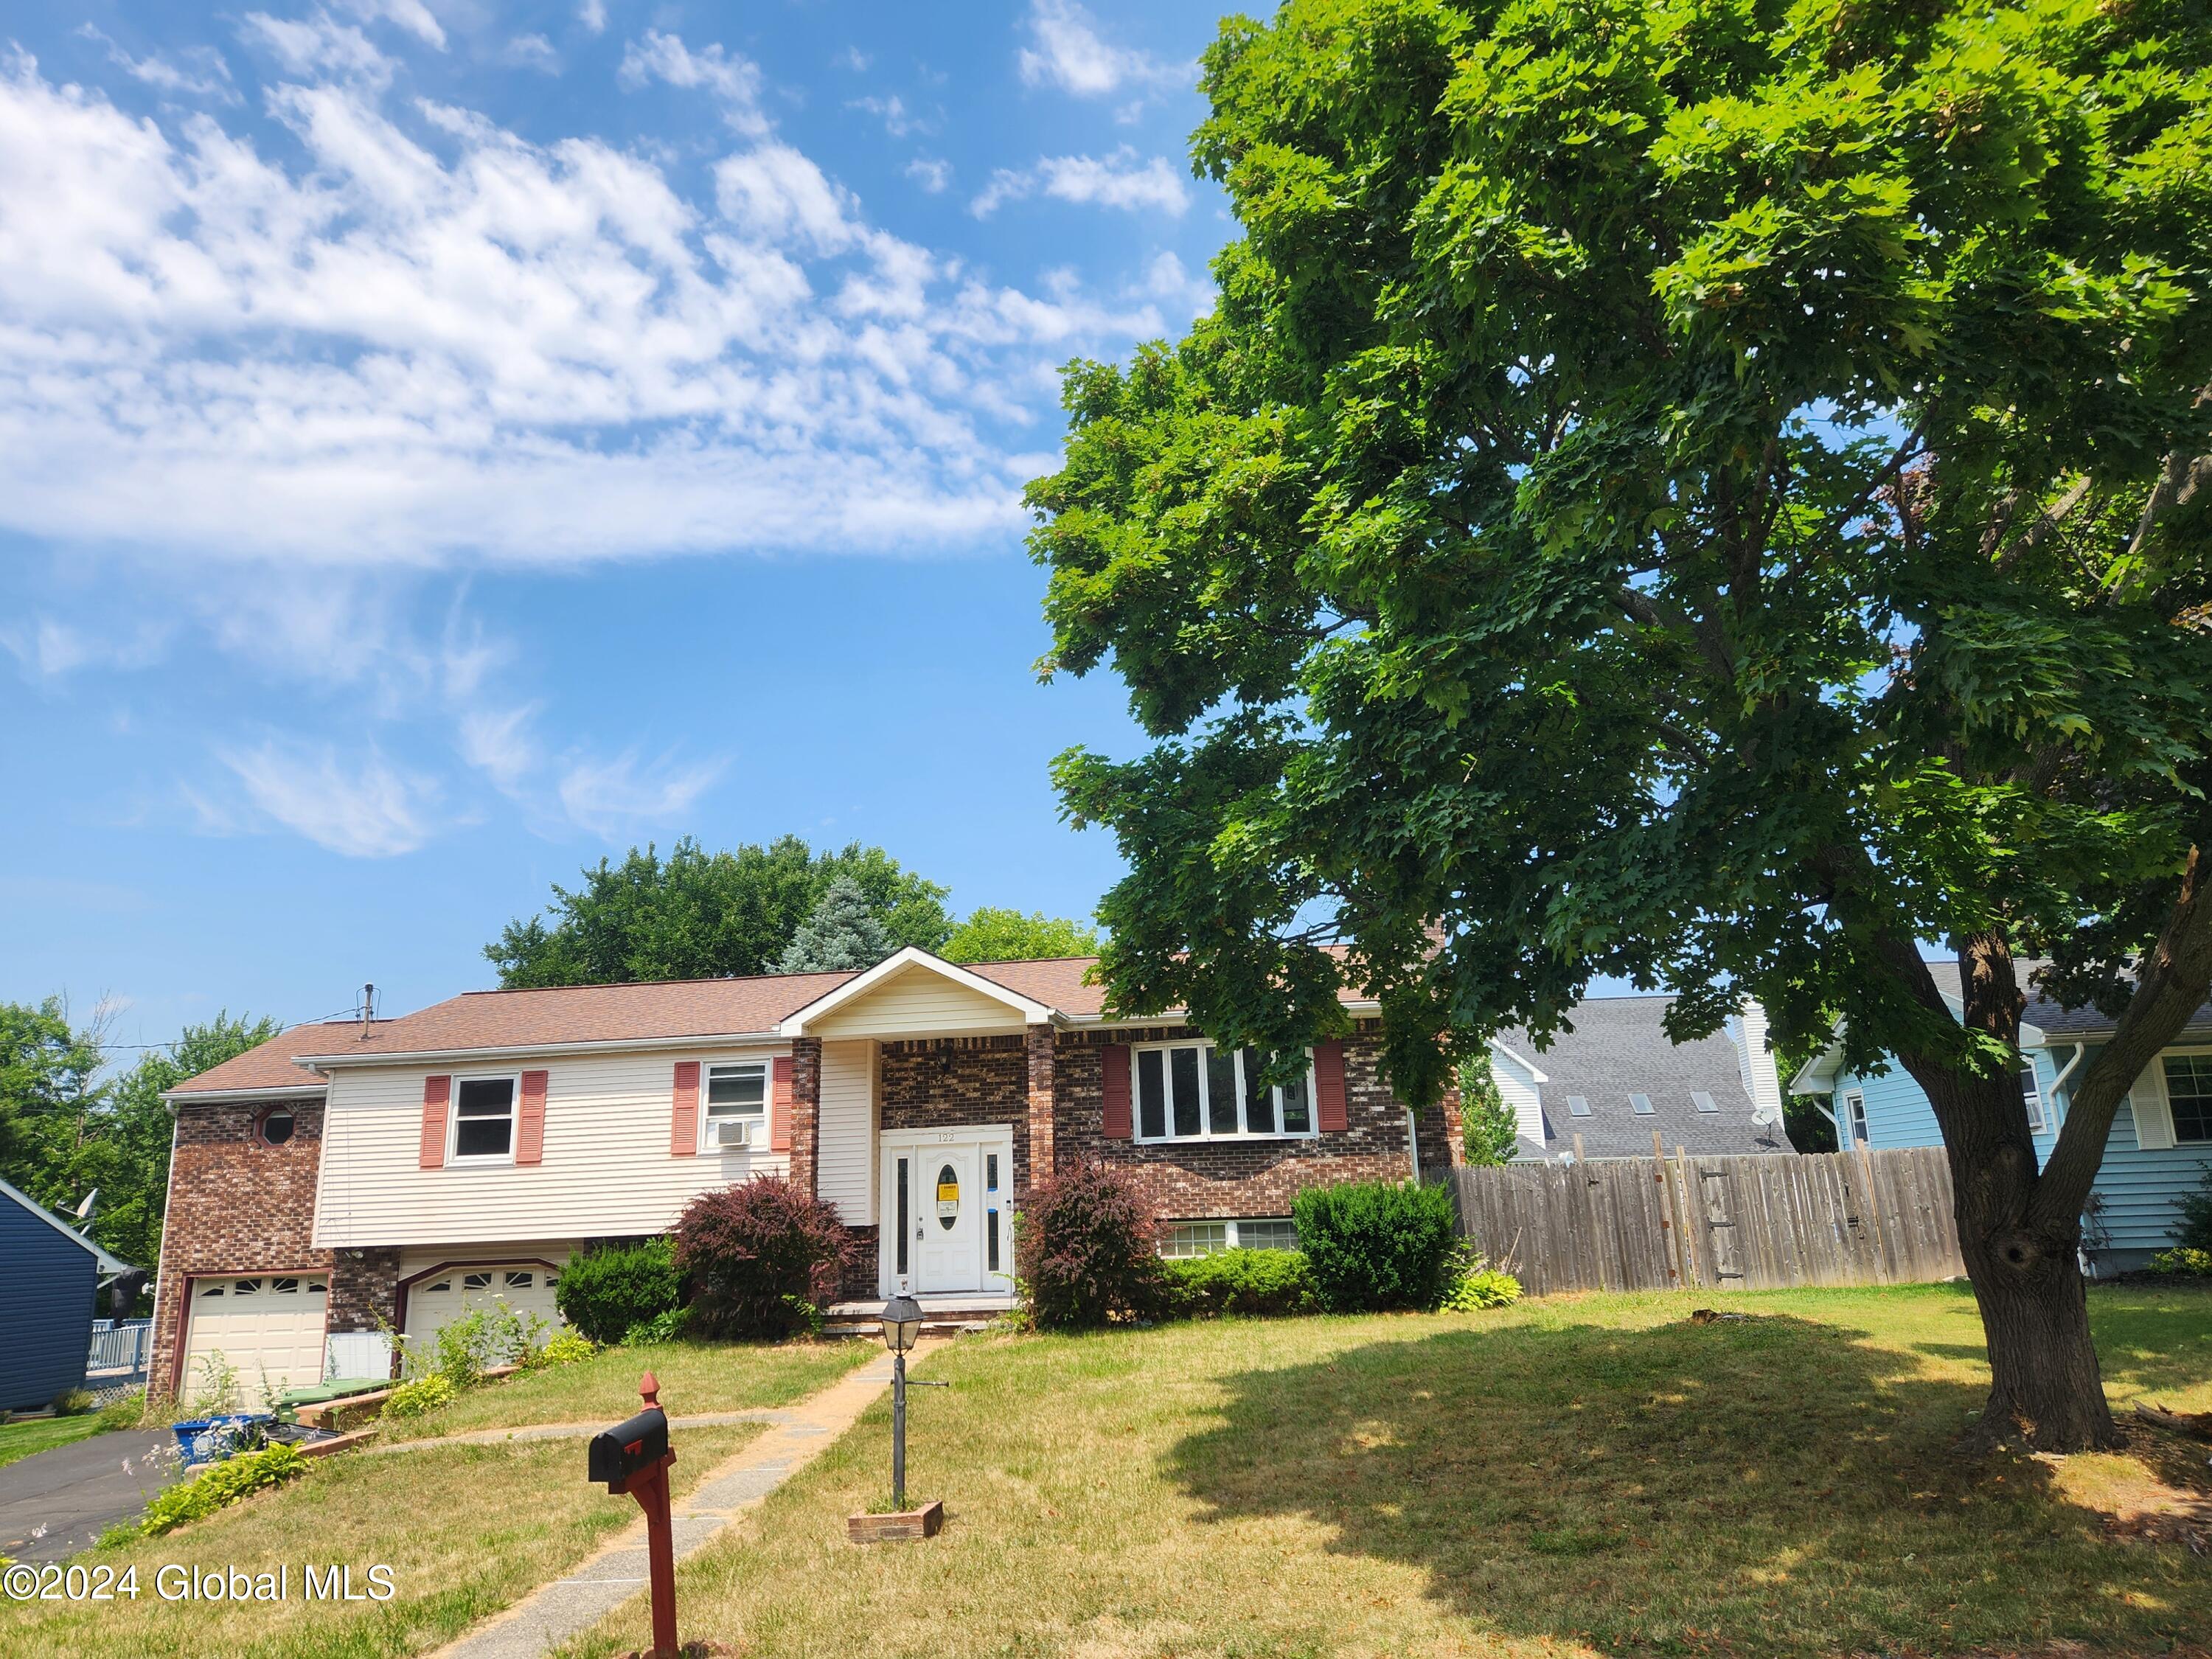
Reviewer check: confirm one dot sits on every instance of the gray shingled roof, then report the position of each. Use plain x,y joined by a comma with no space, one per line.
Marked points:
2048,1016
1618,1048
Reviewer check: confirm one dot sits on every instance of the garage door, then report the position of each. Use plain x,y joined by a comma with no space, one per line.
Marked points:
260,1335
524,1286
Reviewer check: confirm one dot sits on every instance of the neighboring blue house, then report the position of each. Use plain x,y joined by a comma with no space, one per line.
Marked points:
2158,1149
46,1291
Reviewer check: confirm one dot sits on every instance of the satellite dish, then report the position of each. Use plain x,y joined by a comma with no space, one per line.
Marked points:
1766,1116
85,1208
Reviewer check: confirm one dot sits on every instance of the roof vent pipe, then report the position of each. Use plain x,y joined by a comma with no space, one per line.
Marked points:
367,1007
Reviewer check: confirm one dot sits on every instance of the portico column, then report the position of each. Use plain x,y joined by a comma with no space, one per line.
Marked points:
806,1113
1038,1044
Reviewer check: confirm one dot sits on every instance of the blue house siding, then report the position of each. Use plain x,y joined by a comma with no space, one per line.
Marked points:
45,1309
2136,1189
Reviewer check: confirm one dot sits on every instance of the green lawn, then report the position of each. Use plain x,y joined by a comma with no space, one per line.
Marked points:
1584,1475
694,1376
44,1433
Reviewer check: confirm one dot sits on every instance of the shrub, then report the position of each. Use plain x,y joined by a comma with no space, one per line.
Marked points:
72,1402
421,1396
1377,1244
566,1348
661,1327
224,1484
1481,1287
2196,1230
1259,1282
126,1413
1489,1128
1085,1250
2181,1260
605,1292
760,1256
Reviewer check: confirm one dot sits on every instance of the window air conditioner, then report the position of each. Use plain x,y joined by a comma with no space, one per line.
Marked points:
734,1132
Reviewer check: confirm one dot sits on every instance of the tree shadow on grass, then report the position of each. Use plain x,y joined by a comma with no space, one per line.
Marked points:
1772,1486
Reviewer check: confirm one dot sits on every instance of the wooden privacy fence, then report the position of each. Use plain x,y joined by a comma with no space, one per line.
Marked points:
1763,1223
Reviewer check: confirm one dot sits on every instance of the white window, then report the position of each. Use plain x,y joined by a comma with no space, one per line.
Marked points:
1182,1240
1195,1091
1577,1106
1855,1119
2032,1095
735,1094
2188,1096
484,1121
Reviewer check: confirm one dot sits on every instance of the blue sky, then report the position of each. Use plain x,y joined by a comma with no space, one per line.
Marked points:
443,441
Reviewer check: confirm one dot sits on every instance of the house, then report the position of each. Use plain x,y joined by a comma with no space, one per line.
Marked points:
351,1177
348,1176
46,1294
1605,1088
2161,1144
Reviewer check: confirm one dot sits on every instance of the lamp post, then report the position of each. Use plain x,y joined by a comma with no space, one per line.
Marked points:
901,1325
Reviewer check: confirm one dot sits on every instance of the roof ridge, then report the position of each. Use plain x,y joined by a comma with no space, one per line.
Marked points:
623,984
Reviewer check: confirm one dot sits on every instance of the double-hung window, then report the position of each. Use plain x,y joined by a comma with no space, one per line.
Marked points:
1195,1091
2188,1096
736,1095
2032,1095
483,1119
1854,1124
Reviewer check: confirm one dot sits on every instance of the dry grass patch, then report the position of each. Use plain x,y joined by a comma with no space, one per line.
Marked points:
466,1531
1585,1475
694,1376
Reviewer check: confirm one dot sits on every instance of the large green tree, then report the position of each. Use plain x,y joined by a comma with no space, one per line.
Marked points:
698,914
1706,491
991,932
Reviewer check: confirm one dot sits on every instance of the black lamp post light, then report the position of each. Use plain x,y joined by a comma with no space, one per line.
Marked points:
901,1330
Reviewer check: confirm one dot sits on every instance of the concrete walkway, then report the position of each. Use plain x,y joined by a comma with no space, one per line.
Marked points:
550,1616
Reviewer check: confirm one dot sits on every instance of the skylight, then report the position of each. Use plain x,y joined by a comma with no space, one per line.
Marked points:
1577,1107
1643,1104
1706,1102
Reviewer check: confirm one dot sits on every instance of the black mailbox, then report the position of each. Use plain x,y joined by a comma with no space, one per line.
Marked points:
629,1448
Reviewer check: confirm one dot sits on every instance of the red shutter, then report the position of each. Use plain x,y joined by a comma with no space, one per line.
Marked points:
684,1132
779,1107
436,1091
530,1127
1115,1124
1328,1087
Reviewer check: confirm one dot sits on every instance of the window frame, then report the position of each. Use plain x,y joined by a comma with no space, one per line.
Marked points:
2039,1113
483,1160
1232,1235
1205,1047
1855,1127
766,1066
2165,1083
261,1121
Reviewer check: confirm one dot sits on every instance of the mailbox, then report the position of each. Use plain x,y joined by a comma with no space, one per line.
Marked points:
629,1448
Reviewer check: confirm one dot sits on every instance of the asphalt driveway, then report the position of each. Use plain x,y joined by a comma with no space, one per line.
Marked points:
53,1503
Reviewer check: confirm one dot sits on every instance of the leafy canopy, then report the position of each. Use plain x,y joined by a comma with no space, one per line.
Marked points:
841,932
989,933
1490,1132
698,914
1706,491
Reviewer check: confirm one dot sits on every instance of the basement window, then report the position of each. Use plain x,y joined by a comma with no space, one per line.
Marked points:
1181,1240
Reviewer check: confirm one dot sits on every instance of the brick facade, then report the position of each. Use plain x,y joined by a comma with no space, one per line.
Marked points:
806,1113
947,1081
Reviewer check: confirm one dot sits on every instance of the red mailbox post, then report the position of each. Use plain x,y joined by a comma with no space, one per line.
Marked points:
634,1457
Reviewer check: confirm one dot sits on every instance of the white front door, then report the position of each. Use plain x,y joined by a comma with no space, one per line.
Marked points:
947,1224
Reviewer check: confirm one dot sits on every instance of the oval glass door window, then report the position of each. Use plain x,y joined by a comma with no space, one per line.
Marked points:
948,1196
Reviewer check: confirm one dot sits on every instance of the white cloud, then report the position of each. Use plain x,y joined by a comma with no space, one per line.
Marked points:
411,15
1166,280
498,742
532,51
51,648
424,340
209,78
899,121
732,80
932,174
1068,53
1118,180
356,803
611,798
593,15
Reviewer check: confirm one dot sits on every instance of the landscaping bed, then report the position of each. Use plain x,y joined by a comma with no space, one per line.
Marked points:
1584,1474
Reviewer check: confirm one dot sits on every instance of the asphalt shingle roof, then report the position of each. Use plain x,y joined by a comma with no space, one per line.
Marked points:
1618,1049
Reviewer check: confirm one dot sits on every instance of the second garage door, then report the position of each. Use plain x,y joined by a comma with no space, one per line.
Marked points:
445,1296
254,1336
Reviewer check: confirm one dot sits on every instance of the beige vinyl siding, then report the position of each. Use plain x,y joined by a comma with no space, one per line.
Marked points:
918,1003
607,1171
845,1170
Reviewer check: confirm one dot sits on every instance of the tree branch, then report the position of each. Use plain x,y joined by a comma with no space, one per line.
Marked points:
2176,971
2045,522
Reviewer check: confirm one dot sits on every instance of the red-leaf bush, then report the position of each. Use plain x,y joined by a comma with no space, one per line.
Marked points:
763,1258
1085,1250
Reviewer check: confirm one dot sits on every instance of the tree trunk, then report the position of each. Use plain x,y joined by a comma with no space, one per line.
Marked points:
2045,1387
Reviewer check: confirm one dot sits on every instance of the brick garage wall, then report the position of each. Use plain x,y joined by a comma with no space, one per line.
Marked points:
1196,1182
940,1083
235,1206
860,1267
